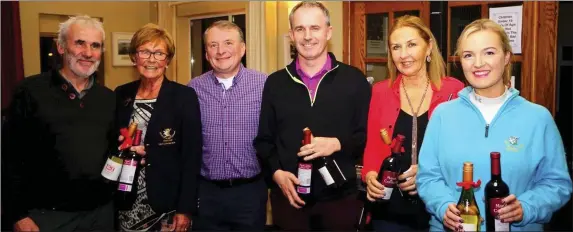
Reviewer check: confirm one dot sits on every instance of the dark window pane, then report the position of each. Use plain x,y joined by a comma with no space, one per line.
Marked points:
461,17
376,35
455,70
240,20
567,54
408,12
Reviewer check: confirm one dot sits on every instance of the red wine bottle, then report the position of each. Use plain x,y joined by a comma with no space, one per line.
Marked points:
390,169
304,170
495,191
130,167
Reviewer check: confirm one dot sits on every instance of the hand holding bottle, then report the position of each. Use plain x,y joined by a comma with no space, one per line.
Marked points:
452,218
286,181
319,147
410,184
180,222
140,149
512,211
374,189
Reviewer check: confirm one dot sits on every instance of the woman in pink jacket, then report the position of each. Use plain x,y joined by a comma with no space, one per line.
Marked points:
403,105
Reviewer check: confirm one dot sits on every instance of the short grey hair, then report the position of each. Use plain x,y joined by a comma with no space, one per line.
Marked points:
80,20
309,4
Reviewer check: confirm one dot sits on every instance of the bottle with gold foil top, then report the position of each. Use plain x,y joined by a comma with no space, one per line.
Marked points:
467,205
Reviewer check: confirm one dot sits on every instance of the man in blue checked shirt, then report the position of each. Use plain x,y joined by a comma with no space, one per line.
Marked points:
233,193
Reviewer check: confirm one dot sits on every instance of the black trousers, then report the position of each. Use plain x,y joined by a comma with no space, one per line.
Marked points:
99,219
236,207
336,215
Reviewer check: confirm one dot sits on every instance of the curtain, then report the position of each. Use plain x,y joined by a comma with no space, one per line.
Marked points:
12,61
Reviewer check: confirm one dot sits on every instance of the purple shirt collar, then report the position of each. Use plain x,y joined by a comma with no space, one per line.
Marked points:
325,68
312,82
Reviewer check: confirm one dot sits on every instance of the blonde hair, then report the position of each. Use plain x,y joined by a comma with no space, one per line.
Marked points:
151,33
483,25
227,25
309,4
436,67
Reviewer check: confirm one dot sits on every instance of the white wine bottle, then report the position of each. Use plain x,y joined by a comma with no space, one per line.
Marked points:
467,205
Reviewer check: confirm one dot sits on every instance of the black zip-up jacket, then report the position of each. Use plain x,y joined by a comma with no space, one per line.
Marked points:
54,146
340,109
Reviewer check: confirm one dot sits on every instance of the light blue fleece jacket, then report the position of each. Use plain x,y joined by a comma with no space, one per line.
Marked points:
534,167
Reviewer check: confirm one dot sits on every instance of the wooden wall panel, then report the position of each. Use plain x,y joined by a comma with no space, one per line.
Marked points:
544,81
346,24
539,40
358,38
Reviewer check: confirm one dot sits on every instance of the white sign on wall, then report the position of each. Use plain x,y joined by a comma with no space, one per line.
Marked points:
510,18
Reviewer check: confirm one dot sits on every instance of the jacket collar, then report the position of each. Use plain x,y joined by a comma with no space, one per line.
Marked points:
291,68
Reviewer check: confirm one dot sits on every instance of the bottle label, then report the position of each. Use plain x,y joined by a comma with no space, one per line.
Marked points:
469,227
389,179
111,169
387,193
304,177
128,171
124,187
326,176
495,204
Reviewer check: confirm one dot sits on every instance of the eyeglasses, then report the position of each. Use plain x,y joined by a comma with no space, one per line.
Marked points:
145,54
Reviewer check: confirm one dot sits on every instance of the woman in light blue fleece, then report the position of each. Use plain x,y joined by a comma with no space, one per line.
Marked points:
490,116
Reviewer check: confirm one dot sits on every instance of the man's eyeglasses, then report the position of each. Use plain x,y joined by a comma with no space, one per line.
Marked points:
144,54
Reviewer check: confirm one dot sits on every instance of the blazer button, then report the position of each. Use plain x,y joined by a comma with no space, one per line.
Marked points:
81,105
72,96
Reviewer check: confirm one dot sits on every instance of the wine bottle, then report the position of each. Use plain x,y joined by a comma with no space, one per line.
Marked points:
495,191
469,211
304,174
390,169
113,165
330,172
130,167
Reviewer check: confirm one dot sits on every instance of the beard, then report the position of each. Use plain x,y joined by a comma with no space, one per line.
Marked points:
72,62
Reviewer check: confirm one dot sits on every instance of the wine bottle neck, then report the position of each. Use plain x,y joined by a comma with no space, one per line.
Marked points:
495,169
468,194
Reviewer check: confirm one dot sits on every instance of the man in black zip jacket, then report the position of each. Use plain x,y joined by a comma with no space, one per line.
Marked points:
55,141
331,99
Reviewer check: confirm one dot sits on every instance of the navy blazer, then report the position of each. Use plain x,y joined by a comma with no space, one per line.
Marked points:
173,144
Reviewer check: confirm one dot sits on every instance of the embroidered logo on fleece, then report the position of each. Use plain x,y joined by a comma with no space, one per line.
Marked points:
512,144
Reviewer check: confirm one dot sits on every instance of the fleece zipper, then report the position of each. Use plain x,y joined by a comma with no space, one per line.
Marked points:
497,115
312,99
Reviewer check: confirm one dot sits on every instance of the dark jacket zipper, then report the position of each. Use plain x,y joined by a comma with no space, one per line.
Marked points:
486,129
